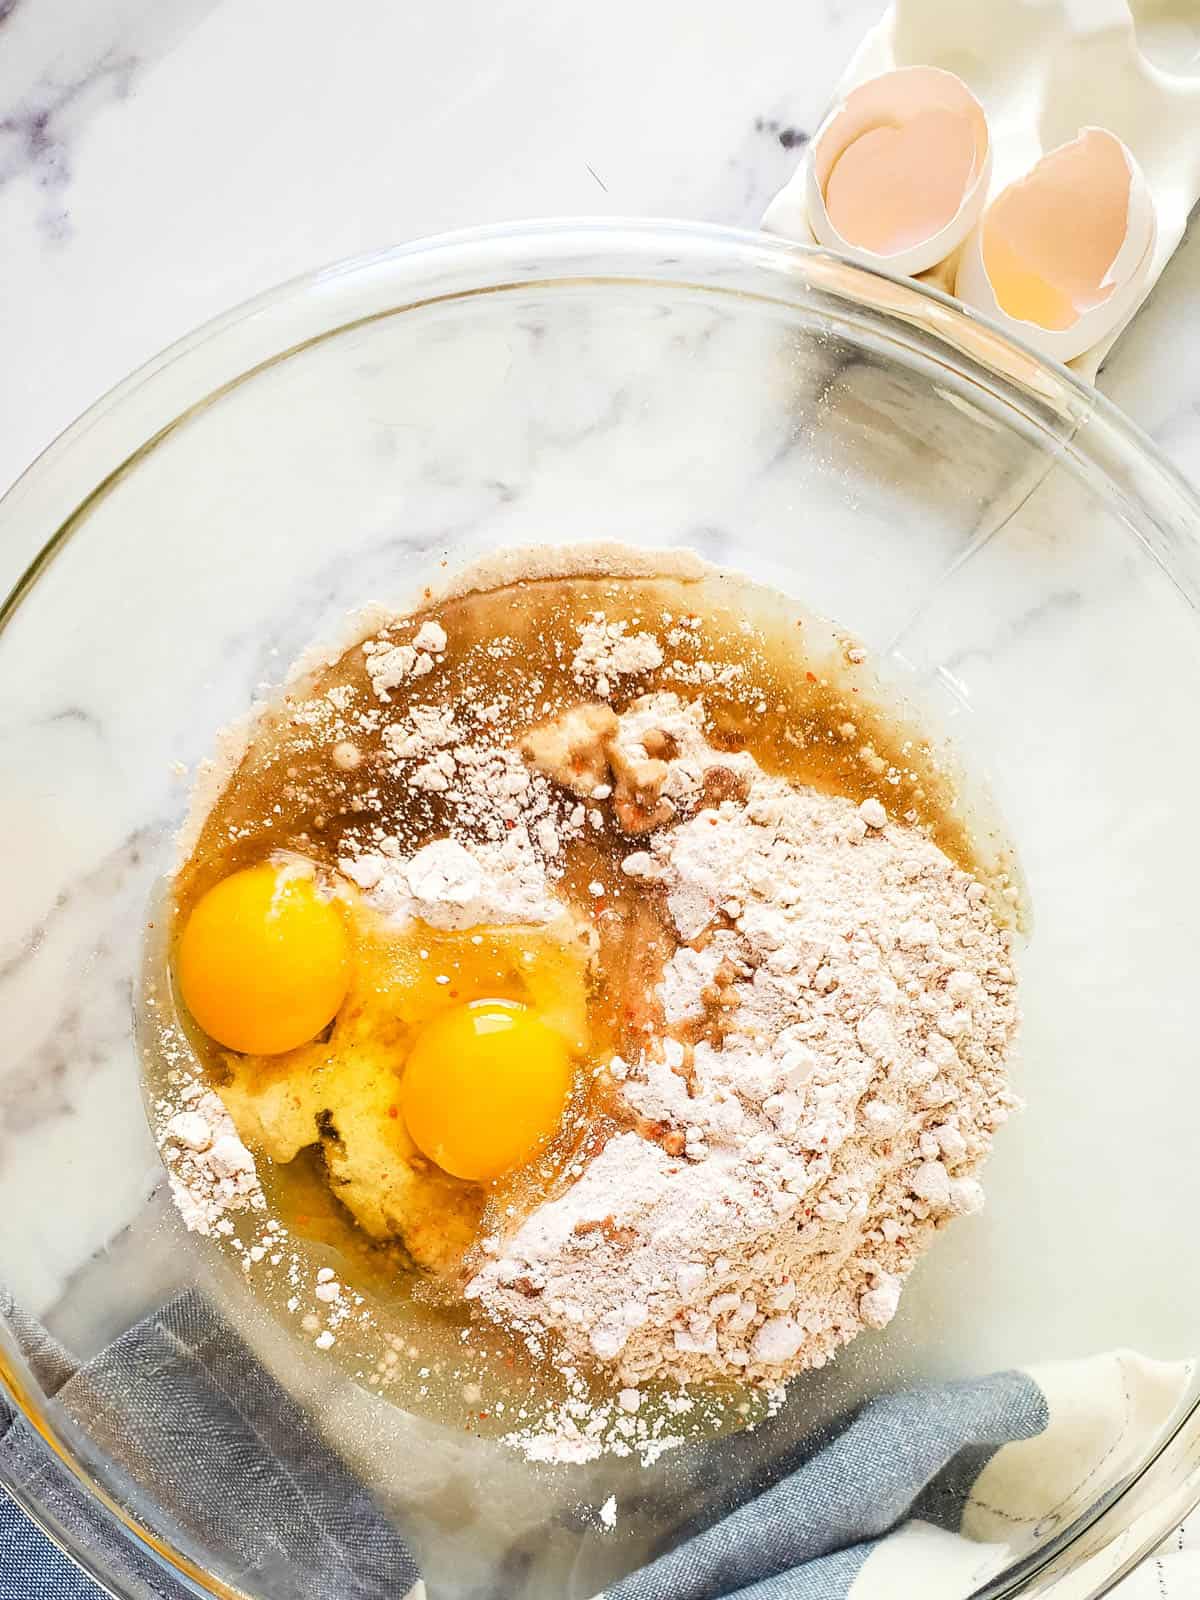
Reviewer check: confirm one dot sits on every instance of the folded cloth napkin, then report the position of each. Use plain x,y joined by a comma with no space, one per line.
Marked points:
930,1491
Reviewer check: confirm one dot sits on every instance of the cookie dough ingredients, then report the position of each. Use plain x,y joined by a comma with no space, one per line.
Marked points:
485,1087
650,996
264,959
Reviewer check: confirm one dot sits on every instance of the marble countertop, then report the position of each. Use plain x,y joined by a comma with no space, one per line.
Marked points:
161,160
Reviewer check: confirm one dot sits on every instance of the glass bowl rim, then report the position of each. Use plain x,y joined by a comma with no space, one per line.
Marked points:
980,348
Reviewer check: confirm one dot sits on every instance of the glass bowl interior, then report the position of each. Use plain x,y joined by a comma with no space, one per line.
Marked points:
1018,562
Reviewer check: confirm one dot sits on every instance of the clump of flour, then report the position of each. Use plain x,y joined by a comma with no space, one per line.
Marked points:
390,662
453,885
211,1172
825,1087
607,650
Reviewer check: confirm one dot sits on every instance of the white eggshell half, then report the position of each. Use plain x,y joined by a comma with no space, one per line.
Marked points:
891,101
1129,271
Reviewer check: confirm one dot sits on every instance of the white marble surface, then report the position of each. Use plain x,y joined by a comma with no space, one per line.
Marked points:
162,160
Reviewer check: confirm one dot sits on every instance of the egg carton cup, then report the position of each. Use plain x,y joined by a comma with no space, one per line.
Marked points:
1045,72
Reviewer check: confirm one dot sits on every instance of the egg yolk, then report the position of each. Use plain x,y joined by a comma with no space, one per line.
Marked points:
485,1084
264,961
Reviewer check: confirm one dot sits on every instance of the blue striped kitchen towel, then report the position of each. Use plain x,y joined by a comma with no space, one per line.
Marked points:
182,1403
931,1491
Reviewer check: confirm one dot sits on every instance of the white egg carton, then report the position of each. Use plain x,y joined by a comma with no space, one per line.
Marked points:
1043,71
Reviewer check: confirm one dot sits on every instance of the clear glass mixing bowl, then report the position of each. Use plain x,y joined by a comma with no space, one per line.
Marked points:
1019,559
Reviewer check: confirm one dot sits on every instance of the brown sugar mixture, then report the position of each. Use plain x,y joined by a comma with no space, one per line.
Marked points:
611,960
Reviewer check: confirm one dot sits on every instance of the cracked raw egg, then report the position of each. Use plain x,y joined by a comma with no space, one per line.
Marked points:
485,1087
450,1062
264,959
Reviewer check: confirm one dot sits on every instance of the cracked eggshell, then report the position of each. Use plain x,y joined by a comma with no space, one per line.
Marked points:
926,132
1032,245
